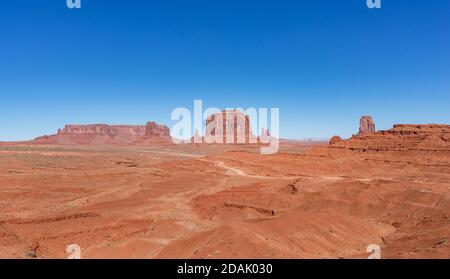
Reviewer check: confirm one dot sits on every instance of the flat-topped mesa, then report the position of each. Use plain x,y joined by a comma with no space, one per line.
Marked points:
229,127
103,129
98,134
366,125
420,129
402,137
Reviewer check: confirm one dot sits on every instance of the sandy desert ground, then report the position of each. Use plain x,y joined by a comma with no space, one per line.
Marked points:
190,201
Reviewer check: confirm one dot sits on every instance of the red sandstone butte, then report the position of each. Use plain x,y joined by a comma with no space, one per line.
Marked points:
98,134
366,125
229,127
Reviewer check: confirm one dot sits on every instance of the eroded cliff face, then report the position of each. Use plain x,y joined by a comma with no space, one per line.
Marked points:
97,134
366,125
229,127
153,129
401,137
102,129
424,145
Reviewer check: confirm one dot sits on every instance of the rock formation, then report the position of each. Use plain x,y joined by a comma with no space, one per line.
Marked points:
96,134
153,129
229,127
366,125
425,143
403,137
102,129
335,140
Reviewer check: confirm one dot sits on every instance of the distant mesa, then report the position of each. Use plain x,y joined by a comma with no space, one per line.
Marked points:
98,134
366,125
226,127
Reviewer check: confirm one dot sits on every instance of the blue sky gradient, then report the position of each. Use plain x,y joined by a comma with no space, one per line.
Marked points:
322,62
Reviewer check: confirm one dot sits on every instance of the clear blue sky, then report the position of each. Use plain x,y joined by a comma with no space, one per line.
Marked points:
322,62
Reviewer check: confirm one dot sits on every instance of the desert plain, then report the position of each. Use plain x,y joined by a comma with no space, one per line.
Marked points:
152,201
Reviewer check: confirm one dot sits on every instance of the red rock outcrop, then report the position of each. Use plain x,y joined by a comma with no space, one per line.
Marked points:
366,125
423,145
401,137
97,134
335,140
229,127
153,129
102,129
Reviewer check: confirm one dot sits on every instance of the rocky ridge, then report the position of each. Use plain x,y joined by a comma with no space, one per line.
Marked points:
97,134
